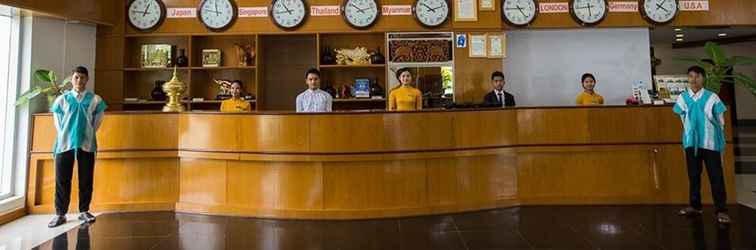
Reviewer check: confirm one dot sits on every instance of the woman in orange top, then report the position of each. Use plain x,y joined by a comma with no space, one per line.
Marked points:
236,103
589,96
405,97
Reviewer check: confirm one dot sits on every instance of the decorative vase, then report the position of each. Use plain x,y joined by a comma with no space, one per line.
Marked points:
157,93
375,89
377,57
182,60
328,88
327,57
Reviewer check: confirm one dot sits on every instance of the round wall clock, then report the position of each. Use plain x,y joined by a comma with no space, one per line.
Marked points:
146,15
431,13
218,15
519,12
288,14
361,14
589,12
659,11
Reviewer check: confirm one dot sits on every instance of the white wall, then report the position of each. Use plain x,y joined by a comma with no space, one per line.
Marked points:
745,101
543,67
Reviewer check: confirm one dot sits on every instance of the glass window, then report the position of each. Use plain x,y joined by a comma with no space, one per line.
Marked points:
8,82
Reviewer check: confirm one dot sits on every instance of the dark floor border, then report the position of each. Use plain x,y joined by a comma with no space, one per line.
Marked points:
747,122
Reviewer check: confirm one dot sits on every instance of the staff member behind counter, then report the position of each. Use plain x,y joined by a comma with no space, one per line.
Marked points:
314,99
589,95
236,103
405,97
498,97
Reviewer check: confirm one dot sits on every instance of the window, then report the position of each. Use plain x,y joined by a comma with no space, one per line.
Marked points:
9,66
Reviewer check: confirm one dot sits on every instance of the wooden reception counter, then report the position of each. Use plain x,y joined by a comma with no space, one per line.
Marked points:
378,164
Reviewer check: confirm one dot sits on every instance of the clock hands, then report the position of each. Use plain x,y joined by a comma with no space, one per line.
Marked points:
145,9
519,9
589,6
429,8
358,8
661,6
216,8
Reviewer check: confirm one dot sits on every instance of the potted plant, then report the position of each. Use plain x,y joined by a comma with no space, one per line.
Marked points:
49,87
719,68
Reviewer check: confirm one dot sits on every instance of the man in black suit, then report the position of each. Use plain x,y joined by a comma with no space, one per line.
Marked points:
498,96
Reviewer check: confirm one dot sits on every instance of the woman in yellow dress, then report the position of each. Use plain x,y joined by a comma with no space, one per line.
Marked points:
405,97
235,103
589,95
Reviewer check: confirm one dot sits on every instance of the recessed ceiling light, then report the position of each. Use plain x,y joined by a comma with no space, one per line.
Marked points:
678,29
679,35
679,40
722,34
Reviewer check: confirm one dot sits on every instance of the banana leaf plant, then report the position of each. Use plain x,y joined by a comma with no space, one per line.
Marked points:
717,66
48,86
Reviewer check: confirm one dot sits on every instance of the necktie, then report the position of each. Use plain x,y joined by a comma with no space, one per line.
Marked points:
501,99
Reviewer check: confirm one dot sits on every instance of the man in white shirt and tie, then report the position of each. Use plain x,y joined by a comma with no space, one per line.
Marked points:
314,99
498,97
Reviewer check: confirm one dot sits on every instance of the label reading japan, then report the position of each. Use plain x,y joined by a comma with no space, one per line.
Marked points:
397,10
253,12
329,10
181,13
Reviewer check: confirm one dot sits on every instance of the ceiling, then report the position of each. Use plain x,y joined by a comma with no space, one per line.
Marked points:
693,35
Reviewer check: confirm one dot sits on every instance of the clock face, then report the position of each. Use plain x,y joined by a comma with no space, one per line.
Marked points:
519,12
288,14
431,13
361,14
217,15
659,11
588,12
146,15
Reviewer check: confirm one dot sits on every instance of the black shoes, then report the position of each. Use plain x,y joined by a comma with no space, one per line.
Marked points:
87,217
57,221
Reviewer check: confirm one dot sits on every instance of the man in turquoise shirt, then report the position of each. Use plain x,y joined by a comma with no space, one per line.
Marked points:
702,114
77,114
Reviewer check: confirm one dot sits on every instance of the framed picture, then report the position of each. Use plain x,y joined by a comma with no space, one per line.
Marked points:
461,40
487,5
211,58
465,10
497,45
156,55
477,45
362,87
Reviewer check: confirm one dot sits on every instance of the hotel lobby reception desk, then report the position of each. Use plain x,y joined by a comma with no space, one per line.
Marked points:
378,164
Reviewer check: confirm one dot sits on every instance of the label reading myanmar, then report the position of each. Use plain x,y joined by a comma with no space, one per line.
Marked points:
181,13
326,10
253,12
397,10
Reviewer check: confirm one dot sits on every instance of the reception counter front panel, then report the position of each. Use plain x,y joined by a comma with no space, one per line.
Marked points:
372,165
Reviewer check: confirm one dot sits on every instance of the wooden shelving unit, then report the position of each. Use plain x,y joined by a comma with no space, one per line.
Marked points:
139,82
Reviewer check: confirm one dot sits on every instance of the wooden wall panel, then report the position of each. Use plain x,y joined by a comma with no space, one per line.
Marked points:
209,132
140,132
552,126
485,128
417,131
472,76
100,12
357,133
203,181
584,175
273,133
275,185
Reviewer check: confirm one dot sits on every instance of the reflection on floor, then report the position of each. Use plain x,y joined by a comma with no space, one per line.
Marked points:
537,227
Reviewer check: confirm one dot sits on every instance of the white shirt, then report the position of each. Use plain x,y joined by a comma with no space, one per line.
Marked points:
314,101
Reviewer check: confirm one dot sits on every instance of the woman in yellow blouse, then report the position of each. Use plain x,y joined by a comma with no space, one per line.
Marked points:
589,96
405,97
235,103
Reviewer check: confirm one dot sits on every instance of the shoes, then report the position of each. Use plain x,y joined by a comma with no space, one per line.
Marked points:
57,221
689,211
722,218
87,217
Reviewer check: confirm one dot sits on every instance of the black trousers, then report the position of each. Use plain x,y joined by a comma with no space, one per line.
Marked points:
713,161
64,172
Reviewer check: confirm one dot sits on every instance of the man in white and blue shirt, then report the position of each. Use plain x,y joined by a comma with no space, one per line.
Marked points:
77,115
314,99
702,114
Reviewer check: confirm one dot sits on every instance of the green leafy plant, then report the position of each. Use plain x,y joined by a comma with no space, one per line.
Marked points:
717,66
48,86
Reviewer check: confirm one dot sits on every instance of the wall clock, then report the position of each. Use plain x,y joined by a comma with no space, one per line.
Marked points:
218,15
288,14
589,12
431,13
519,12
146,15
659,11
361,14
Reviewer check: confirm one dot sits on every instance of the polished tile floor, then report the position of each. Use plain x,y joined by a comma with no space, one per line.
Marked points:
553,227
